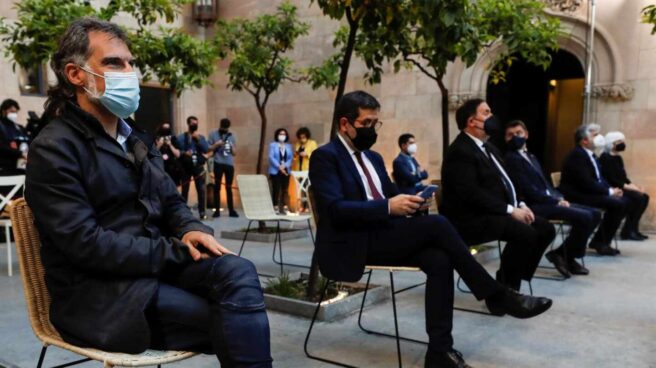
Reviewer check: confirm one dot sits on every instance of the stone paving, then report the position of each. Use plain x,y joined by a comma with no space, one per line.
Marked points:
605,320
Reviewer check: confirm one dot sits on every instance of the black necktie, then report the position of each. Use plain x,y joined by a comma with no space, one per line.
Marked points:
506,184
536,166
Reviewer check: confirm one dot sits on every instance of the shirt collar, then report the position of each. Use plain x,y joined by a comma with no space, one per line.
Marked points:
589,152
123,131
350,150
478,142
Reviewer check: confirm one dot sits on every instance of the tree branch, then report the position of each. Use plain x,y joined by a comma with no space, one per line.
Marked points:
421,67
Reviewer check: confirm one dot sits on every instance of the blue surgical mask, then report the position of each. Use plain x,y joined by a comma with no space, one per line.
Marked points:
121,95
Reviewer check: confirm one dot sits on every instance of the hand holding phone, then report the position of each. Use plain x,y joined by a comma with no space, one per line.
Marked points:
428,192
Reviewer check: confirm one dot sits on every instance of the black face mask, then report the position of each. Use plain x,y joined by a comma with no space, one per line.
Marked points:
516,142
193,127
620,147
365,138
223,131
491,125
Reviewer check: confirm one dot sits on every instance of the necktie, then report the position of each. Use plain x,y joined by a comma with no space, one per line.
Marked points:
533,161
374,192
597,166
506,184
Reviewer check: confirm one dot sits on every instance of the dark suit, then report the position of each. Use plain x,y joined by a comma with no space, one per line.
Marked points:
475,199
353,232
580,184
543,200
406,175
110,223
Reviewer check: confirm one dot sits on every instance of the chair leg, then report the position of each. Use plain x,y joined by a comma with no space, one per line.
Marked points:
396,321
42,356
310,230
307,337
278,243
10,263
460,288
245,236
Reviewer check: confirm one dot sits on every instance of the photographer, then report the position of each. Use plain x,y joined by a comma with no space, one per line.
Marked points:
222,144
167,146
13,140
193,146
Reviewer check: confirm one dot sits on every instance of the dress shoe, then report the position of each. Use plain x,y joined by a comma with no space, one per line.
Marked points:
203,217
234,214
216,214
604,250
576,268
631,236
517,305
559,262
449,359
643,236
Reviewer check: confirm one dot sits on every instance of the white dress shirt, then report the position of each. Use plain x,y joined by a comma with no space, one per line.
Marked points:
594,164
123,131
370,168
510,207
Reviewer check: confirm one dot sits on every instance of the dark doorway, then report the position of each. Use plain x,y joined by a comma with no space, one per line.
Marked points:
549,102
155,108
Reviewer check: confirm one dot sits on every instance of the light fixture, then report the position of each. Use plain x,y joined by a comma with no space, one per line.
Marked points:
205,12
553,83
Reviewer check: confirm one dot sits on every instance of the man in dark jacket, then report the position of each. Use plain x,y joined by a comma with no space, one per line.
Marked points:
364,220
406,170
13,139
546,201
582,182
127,265
480,199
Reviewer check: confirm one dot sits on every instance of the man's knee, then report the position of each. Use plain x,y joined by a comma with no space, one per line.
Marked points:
435,261
236,285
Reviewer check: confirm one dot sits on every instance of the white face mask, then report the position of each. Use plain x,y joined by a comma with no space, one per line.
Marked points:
13,116
598,141
412,148
282,138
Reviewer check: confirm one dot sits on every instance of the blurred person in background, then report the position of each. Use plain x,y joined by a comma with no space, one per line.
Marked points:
407,173
223,144
194,147
167,146
280,163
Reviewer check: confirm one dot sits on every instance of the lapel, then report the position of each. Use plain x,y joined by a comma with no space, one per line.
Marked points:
345,157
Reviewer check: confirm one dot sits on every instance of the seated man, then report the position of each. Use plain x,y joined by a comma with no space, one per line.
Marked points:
545,201
364,220
480,199
581,182
612,169
407,173
127,265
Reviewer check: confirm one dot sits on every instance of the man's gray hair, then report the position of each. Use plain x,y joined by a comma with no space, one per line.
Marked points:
585,131
74,48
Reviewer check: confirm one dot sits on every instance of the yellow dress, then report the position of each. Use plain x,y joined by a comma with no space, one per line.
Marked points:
310,146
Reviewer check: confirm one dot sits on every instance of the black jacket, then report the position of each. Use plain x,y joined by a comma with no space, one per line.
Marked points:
578,179
9,132
346,218
109,224
530,180
612,168
471,186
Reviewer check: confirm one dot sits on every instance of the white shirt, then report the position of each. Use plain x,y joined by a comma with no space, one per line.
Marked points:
594,164
479,143
370,168
123,131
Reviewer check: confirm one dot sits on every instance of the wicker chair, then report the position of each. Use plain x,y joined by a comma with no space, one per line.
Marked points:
37,299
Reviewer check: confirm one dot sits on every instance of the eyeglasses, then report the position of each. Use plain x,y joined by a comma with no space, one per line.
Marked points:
376,124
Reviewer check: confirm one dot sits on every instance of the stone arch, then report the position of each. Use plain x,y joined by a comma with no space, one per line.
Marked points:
607,65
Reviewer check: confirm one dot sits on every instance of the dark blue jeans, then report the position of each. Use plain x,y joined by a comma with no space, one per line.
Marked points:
213,306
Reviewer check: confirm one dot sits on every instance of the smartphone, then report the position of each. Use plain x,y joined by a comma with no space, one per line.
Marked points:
428,192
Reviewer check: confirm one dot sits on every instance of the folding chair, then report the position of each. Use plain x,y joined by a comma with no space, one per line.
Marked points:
37,299
368,270
302,179
16,182
258,206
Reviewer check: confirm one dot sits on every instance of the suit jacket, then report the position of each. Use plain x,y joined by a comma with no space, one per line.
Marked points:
274,157
529,179
471,187
405,177
346,218
612,169
578,179
110,224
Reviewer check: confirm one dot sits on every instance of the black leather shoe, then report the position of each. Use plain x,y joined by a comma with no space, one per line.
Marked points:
604,250
631,236
643,236
234,214
559,262
216,214
576,268
517,305
203,217
449,359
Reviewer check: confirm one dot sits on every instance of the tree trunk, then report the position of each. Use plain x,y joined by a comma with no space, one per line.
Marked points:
313,278
344,68
261,109
445,115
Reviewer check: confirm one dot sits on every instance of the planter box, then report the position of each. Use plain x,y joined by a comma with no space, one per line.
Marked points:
253,235
338,307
